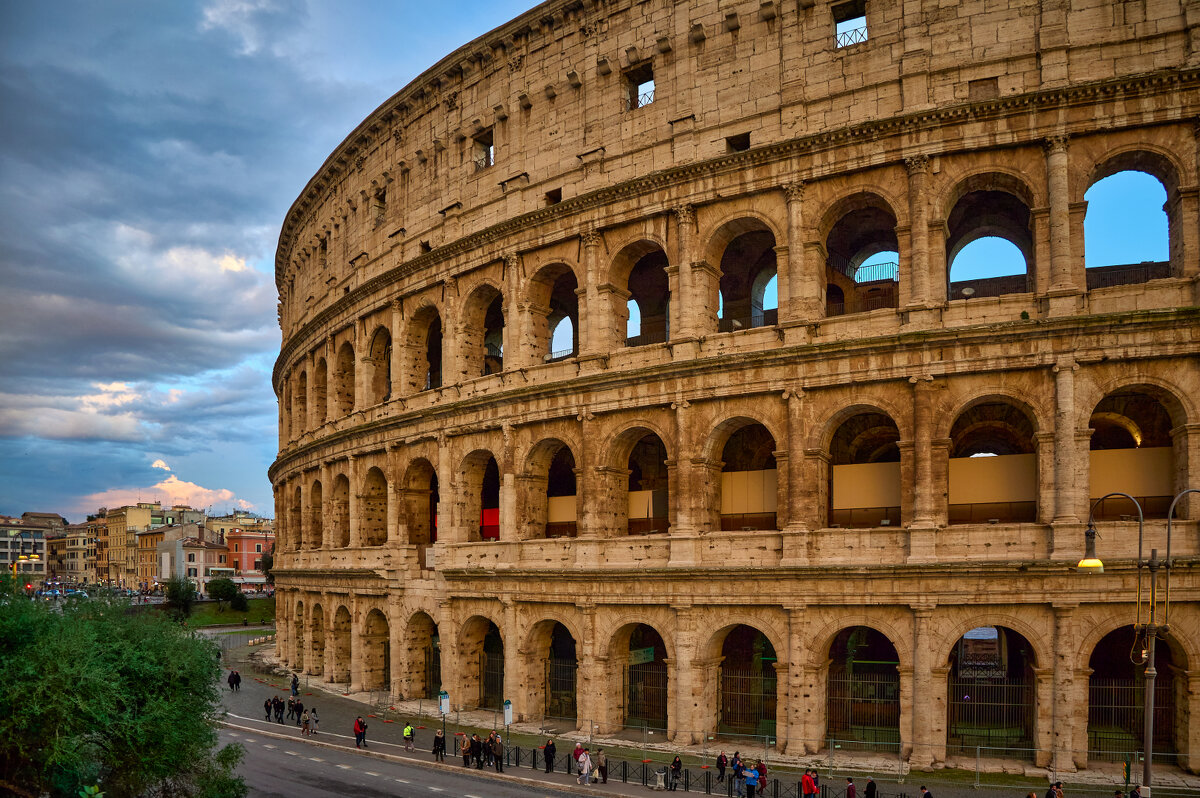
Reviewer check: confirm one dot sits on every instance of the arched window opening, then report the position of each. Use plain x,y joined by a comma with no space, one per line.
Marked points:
862,263
341,511
649,291
1117,698
648,487
993,466
988,266
747,266
1126,231
864,473
300,414
863,696
372,509
421,508
749,480
376,652
989,213
315,529
562,339
433,356
991,694
556,334
481,663
491,667
1131,452
345,379
645,679
748,683
482,333
320,389
562,665
489,502
380,363
296,520
424,657
493,337
561,496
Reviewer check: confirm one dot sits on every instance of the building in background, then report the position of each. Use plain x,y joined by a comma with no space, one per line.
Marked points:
75,561
247,537
20,538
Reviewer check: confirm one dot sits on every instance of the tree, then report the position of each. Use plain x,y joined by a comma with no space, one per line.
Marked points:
222,590
239,602
268,562
94,694
180,596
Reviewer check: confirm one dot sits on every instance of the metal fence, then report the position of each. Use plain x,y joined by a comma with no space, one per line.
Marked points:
646,695
864,710
748,700
1116,714
990,713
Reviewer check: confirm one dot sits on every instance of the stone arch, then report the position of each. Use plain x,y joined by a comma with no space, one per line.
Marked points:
376,650
481,662
862,693
643,496
317,640
314,537
481,331
320,392
379,366
1034,635
339,501
423,656
344,378
552,297
552,649
421,505
740,451
821,640
639,277
989,203
991,691
822,433
296,520
478,488
725,229
300,409
742,247
340,633
856,229
863,473
739,681
373,508
423,349
549,494
993,465
642,682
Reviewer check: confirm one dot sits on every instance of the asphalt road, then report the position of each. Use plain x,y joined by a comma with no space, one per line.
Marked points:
275,768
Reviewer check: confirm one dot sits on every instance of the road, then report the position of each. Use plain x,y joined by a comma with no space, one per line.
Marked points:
275,768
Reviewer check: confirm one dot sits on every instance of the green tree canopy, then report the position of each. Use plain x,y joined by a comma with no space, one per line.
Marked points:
96,693
222,590
180,595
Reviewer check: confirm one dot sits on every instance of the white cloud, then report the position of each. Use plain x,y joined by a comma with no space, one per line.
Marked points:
169,491
160,464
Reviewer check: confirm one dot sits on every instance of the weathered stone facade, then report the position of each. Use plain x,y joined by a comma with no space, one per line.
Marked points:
454,498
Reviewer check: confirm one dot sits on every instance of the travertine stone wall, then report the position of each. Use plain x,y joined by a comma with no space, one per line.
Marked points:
945,122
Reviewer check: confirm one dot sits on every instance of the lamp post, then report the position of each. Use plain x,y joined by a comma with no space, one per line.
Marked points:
1148,631
21,556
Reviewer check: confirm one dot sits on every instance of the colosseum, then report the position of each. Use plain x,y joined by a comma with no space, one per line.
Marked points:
627,375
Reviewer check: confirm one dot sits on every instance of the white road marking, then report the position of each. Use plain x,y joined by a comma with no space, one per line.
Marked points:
344,767
267,745
315,759
402,781
468,795
436,789
291,753
370,773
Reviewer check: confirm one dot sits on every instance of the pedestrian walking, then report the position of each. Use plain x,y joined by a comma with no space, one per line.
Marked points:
268,707
498,753
295,685
304,721
722,763
291,707
299,710
549,750
602,765
237,681
279,705
316,722
676,773
751,782
230,680
851,790
477,751
926,793
439,746
761,767
464,748
870,791
585,768
739,774
360,732
808,785
575,755
409,736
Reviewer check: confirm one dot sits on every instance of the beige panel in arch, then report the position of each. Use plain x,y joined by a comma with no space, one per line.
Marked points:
984,480
866,485
1138,472
560,509
749,491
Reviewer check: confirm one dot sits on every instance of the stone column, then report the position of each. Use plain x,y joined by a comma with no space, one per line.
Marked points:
590,689
352,476
922,543
1065,454
592,317
398,677
330,380
511,689
356,647
1185,440
936,713
683,728
683,500
800,496
361,360
310,415
326,502
1055,727
806,285
397,361
395,494
922,708
449,530
1190,758
328,662
918,211
508,487
793,733
684,321
1061,277
511,337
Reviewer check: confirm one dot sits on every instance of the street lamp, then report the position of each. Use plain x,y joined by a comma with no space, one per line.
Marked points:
21,556
1148,631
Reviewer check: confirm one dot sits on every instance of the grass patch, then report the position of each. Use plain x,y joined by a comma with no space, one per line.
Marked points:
262,610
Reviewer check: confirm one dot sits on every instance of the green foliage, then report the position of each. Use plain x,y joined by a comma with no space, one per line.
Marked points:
222,590
180,595
268,562
95,694
239,602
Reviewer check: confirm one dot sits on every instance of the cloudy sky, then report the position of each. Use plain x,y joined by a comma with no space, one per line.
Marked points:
148,155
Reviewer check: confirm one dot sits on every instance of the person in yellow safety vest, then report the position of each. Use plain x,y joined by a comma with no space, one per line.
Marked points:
408,737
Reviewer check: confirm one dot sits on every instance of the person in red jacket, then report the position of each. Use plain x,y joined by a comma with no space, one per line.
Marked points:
808,785
360,733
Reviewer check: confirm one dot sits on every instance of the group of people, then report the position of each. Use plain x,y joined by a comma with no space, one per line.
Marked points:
748,780
306,719
235,681
591,768
489,752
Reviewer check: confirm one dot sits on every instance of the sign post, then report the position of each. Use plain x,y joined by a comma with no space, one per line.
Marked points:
507,721
444,709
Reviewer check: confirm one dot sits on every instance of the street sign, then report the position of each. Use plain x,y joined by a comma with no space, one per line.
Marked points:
640,656
507,713
444,702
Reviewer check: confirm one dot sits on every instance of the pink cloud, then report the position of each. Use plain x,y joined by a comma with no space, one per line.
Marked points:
170,491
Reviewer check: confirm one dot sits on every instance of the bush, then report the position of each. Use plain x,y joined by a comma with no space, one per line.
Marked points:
222,590
180,596
239,602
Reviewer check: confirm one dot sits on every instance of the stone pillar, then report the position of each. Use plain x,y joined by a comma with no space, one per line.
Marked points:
792,727
1061,277
352,476
676,276
683,727
356,646
1065,454
328,662
508,487
449,530
361,362
1056,730
684,320
513,672
922,708
800,505
310,415
511,337
1190,755
397,679
326,476
330,380
592,317
918,211
395,495
937,715
1185,440
590,688
683,500
806,284
397,361
922,543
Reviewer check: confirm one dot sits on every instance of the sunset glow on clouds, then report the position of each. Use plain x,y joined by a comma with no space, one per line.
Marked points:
170,491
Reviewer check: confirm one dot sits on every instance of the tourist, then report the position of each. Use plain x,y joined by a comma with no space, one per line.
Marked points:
585,767
575,755
477,751
268,708
549,750
761,767
498,753
751,782
299,710
925,793
602,765
360,732
676,772
851,790
439,746
304,721
722,763
295,685
464,748
869,792
808,785
316,722
739,774
291,707
230,680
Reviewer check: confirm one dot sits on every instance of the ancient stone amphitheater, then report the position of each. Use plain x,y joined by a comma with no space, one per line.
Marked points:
627,374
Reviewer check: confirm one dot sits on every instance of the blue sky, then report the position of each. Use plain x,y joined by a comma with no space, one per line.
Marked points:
149,153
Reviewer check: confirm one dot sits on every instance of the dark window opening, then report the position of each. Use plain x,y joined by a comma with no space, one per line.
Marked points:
738,143
850,23
862,268
649,301
379,206
426,246
749,285
483,150
554,196
639,86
